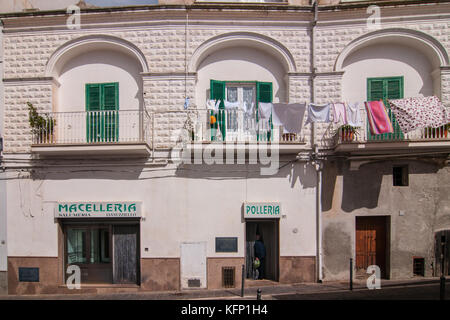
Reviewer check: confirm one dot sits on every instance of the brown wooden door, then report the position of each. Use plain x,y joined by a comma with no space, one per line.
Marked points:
371,243
126,254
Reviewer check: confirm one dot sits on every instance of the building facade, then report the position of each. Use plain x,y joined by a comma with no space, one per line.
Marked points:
144,189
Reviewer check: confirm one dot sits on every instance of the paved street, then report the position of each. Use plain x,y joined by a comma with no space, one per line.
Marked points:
413,289
404,292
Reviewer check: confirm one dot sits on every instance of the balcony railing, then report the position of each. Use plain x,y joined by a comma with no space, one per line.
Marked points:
158,129
93,127
232,125
362,134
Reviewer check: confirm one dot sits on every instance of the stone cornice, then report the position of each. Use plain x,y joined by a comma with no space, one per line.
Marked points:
30,81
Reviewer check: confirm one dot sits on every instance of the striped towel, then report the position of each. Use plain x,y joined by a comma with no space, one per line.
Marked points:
378,117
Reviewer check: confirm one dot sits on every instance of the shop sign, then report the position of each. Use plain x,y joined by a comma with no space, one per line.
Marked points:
262,210
98,210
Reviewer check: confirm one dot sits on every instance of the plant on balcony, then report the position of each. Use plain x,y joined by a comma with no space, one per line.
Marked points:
347,132
41,127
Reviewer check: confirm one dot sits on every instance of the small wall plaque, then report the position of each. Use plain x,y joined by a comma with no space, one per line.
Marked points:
227,244
28,274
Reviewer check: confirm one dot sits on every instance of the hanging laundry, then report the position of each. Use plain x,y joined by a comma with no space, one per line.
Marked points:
213,104
231,105
378,118
353,114
289,116
265,110
186,103
419,112
249,107
339,113
318,113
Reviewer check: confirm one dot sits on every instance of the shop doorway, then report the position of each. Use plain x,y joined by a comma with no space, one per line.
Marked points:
105,252
371,244
268,231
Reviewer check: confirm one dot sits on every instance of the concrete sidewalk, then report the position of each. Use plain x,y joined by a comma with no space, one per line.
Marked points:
268,291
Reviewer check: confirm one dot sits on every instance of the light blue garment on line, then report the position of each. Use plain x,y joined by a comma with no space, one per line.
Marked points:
318,113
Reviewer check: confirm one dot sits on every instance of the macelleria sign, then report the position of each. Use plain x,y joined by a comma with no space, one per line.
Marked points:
98,210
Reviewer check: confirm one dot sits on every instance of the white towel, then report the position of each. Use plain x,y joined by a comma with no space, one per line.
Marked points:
231,105
265,110
353,114
212,104
289,116
318,113
339,113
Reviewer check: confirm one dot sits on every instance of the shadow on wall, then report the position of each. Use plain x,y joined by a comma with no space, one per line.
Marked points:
361,188
104,170
300,173
337,249
329,174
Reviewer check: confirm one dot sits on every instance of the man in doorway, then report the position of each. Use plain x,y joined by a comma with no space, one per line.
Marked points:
260,254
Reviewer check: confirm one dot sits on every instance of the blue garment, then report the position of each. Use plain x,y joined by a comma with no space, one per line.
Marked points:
260,249
318,113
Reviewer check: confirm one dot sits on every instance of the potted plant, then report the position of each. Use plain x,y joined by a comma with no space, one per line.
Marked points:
347,132
41,127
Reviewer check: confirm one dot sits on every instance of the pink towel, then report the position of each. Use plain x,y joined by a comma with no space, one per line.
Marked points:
378,118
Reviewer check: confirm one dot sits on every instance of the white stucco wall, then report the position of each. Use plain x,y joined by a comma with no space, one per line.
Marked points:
179,206
386,60
240,64
99,67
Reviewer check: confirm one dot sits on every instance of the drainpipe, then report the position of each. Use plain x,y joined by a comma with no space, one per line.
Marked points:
318,165
313,66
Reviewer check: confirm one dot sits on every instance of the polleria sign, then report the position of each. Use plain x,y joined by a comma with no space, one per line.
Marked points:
98,210
262,210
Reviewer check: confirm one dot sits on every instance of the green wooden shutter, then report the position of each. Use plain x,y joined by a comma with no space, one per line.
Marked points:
375,90
384,89
264,91
264,94
102,119
394,90
110,119
93,97
93,104
110,96
217,92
